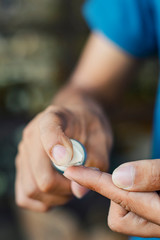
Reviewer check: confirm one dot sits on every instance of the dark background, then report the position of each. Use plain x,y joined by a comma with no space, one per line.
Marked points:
40,42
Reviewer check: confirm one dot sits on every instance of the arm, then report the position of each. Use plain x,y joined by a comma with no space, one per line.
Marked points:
75,113
103,69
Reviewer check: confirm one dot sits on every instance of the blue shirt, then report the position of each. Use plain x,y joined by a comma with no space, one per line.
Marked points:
133,25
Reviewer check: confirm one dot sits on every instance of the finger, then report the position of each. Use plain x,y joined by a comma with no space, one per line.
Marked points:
30,204
46,176
120,220
21,198
140,176
32,192
78,190
56,144
145,204
93,179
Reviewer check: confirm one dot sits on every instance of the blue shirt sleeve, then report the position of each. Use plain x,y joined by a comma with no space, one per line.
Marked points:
128,23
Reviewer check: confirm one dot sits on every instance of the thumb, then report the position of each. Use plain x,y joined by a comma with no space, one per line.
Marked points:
56,144
143,176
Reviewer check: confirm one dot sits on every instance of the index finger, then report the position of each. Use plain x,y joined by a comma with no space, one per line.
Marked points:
144,204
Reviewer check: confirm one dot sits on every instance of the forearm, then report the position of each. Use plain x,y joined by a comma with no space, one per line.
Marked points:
101,70
104,70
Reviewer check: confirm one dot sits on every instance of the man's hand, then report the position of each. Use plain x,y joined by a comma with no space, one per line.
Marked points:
47,137
132,213
38,185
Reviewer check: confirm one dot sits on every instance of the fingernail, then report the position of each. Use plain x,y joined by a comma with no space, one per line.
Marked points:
94,168
78,190
67,175
123,176
60,155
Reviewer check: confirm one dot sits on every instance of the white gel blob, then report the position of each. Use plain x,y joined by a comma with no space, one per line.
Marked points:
79,156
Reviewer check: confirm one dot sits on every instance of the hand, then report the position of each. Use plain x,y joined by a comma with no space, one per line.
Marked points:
38,185
134,211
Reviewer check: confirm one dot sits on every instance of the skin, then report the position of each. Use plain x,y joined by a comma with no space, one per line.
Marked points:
38,185
134,211
76,112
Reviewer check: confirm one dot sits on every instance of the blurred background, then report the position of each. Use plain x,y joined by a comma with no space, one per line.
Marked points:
40,42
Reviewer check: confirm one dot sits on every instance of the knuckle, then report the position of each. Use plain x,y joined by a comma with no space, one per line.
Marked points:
47,183
100,181
27,132
45,187
44,208
57,113
97,186
32,192
155,175
45,120
53,117
126,203
20,147
50,112
115,224
20,201
51,108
